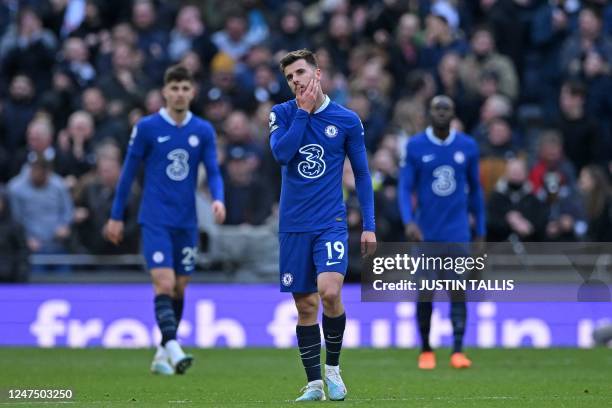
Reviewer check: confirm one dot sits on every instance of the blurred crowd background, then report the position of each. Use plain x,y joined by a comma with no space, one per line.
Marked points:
531,80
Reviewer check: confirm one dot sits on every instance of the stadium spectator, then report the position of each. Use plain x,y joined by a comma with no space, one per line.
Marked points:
595,188
236,38
405,49
42,205
494,153
339,41
589,43
483,57
384,181
75,152
583,139
290,34
93,207
152,40
125,84
18,110
372,119
94,102
28,48
513,211
238,132
39,137
565,214
223,84
13,247
248,199
551,158
76,62
189,33
440,37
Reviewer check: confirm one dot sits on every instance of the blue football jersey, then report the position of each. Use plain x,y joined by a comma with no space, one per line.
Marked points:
171,156
311,149
445,176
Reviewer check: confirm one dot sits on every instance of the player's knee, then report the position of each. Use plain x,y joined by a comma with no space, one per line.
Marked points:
164,287
307,308
330,296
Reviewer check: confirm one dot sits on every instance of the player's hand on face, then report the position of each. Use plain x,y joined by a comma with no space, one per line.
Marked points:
218,209
368,243
307,98
113,231
413,232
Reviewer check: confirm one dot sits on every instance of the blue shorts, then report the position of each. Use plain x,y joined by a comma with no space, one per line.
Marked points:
304,255
167,247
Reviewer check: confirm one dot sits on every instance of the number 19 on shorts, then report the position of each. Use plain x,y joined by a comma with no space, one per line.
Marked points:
335,251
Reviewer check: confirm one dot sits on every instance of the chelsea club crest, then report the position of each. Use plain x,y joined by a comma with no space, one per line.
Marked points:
331,131
287,279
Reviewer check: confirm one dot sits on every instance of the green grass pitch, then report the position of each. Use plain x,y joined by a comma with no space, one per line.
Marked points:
271,378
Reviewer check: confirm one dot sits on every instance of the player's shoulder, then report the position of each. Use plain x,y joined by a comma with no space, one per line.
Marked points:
202,124
149,121
343,114
466,140
286,108
417,140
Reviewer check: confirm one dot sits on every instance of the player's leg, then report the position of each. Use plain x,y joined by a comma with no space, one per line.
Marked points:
157,251
297,275
331,261
458,314
427,358
184,244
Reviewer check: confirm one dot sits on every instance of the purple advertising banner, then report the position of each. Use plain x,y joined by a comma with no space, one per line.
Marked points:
104,315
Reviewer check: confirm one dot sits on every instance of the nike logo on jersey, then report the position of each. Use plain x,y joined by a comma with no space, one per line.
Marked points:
162,139
328,263
428,157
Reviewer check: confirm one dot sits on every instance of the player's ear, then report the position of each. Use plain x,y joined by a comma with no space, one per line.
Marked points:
318,74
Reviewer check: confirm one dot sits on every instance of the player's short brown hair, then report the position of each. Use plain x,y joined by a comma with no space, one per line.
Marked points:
296,55
177,73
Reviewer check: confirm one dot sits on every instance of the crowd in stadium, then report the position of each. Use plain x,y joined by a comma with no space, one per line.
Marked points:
531,81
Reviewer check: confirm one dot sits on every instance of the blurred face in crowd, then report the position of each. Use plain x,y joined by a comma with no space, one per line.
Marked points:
340,27
442,112
299,73
29,23
192,62
449,68
94,101
570,101
408,27
123,57
499,133
39,136
589,24
21,88
108,170
80,126
39,174
290,23
516,172
361,105
178,95
189,21
237,127
236,27
123,33
143,14
75,50
551,150
154,101
482,43
586,182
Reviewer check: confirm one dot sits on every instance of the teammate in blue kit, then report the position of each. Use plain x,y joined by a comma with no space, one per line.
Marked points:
171,143
441,166
310,137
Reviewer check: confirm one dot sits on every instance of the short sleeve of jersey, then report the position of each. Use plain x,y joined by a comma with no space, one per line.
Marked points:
137,145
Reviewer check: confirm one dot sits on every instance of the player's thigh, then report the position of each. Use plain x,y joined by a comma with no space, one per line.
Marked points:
185,250
297,271
330,251
157,247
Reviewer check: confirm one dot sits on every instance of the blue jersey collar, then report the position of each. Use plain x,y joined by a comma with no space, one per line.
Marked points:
324,105
437,141
163,112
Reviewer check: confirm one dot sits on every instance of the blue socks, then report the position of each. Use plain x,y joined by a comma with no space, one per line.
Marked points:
309,343
166,319
333,332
